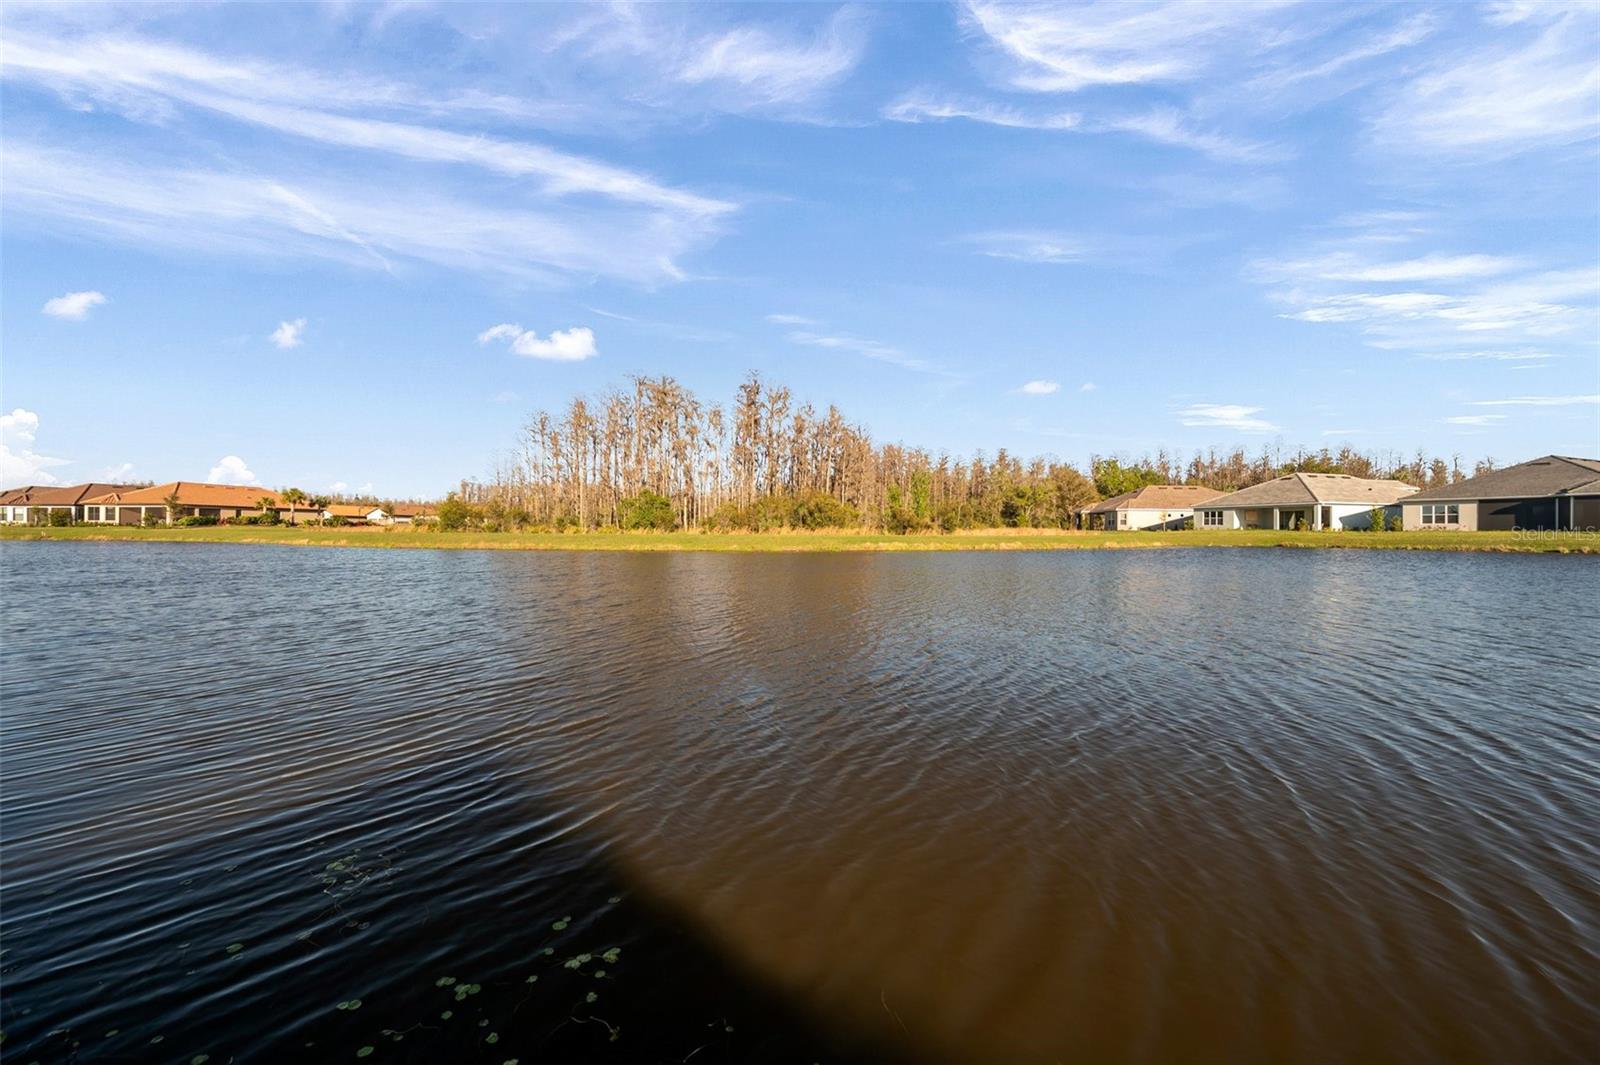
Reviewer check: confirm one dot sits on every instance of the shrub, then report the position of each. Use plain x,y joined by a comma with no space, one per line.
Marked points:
1375,520
818,510
647,510
153,517
456,513
196,519
58,518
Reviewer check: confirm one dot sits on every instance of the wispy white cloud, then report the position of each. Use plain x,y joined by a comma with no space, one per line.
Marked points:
1167,125
1040,388
872,349
1435,266
231,469
1478,420
767,69
289,334
232,213
1233,416
1534,86
1488,356
1064,48
19,463
925,106
790,319
1088,386
562,345
1037,246
1539,401
74,305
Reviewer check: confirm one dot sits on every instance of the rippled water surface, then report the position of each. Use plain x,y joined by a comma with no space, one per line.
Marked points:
276,804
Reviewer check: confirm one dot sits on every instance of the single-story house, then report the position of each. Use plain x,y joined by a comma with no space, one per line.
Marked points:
1553,492
401,514
193,499
1305,501
354,513
33,504
1155,506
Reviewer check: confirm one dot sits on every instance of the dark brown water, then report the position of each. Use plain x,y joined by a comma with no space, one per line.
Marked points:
1235,805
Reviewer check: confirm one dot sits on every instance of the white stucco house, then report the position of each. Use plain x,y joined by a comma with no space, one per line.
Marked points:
1305,501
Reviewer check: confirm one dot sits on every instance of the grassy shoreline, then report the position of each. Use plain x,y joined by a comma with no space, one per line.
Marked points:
974,540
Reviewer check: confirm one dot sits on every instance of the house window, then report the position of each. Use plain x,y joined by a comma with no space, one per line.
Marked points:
1441,514
1211,518
93,513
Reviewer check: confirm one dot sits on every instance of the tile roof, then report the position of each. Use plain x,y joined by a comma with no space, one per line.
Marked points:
57,495
350,510
1547,476
1299,489
1156,497
195,494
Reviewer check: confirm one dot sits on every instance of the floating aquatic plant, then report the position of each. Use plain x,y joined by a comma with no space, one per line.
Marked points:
591,997
534,979
447,1014
351,1004
614,899
610,957
364,1051
492,1038
234,948
444,981
561,925
200,1059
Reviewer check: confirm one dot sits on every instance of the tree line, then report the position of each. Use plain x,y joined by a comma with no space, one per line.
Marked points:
653,455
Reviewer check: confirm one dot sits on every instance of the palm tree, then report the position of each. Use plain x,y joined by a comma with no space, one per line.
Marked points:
294,497
267,505
320,504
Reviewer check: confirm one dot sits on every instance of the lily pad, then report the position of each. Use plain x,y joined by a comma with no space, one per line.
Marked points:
492,1038
234,948
363,1052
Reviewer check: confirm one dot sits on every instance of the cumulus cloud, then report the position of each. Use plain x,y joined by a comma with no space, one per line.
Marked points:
19,463
1040,388
562,345
231,469
1225,416
74,305
289,334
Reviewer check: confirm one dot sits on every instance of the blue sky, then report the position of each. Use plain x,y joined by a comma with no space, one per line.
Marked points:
347,246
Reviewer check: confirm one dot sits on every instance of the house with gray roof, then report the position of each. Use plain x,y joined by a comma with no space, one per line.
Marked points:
1305,501
1553,492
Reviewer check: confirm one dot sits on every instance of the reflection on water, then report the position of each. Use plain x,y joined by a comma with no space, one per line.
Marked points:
1116,806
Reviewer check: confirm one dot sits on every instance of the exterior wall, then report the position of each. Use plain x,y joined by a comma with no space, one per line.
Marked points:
1411,516
1585,512
1230,518
1154,519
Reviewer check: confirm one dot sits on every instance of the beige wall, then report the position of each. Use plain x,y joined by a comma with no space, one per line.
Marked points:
1411,516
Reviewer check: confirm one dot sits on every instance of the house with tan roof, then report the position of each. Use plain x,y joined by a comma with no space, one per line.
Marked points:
1155,506
1305,501
33,504
184,499
1553,492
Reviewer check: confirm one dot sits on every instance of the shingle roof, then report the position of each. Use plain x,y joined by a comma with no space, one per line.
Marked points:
57,495
1157,497
194,494
1299,489
1547,476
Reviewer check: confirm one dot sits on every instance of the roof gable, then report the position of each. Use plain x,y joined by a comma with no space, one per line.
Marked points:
1547,476
1300,489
